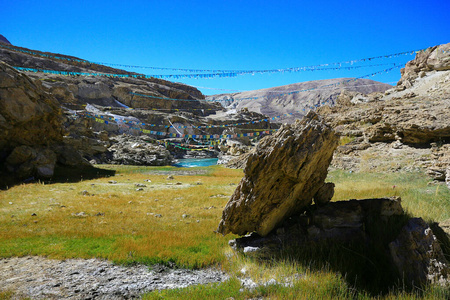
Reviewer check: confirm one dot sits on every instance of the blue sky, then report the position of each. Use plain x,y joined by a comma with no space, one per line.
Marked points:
231,34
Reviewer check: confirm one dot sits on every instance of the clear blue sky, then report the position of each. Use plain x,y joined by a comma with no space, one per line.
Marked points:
230,34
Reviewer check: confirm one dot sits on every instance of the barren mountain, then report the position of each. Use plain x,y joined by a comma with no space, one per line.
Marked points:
50,119
280,100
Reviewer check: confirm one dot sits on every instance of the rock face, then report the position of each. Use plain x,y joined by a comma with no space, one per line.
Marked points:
435,58
75,91
335,222
418,256
282,176
29,115
30,125
406,128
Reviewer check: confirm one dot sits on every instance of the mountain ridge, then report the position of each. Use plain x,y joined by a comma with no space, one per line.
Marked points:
296,98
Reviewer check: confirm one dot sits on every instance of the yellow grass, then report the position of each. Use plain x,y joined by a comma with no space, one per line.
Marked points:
122,224
169,219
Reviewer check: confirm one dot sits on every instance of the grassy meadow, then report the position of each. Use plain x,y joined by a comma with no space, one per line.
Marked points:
172,222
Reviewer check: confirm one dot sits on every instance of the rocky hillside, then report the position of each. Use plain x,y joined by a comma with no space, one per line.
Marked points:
407,128
271,103
105,91
100,118
31,131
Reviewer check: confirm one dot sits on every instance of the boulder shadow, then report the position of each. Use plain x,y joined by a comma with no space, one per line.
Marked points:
334,238
61,174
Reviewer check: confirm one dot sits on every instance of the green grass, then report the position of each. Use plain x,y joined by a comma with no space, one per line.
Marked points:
419,198
330,288
120,225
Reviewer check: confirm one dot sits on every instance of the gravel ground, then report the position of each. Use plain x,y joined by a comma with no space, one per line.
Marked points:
42,278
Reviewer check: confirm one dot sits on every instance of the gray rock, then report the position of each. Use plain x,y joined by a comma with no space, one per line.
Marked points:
324,194
81,214
447,177
250,249
418,256
335,222
42,278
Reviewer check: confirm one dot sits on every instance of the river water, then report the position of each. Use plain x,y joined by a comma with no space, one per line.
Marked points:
195,162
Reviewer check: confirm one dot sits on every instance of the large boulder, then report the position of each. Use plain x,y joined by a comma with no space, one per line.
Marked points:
30,126
28,114
335,222
418,255
26,161
282,175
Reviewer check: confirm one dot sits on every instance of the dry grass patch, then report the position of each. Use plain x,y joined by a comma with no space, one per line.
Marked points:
166,221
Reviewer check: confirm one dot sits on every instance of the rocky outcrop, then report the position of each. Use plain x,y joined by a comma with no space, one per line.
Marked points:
75,91
29,115
435,58
408,123
282,176
30,125
418,256
25,161
335,222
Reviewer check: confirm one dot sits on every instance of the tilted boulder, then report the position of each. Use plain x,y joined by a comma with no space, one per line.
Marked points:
282,176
